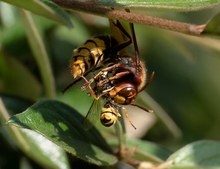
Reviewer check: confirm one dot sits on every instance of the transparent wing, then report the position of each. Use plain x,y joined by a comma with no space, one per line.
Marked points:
119,35
93,114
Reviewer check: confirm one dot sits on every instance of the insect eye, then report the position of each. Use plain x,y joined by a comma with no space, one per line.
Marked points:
128,92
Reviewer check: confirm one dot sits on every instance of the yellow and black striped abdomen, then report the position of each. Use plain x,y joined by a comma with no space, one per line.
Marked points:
91,53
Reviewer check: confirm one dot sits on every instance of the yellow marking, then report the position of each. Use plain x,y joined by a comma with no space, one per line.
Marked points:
99,42
82,56
75,51
112,93
90,45
83,52
96,53
109,116
77,68
119,99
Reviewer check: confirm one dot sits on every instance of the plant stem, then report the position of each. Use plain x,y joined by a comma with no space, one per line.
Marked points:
120,136
40,54
5,117
107,11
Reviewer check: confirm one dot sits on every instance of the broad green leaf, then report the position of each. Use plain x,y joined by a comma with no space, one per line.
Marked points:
44,8
148,150
200,154
43,150
63,126
145,151
177,5
34,145
40,149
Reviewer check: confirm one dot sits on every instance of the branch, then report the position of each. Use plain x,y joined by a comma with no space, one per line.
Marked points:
90,6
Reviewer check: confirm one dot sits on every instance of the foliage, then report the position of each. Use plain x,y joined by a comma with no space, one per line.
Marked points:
43,128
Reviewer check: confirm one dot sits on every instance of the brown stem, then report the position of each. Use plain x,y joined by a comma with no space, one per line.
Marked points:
93,7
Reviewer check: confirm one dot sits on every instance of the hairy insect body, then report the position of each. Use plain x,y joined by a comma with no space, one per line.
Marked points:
124,82
91,54
109,115
117,78
119,84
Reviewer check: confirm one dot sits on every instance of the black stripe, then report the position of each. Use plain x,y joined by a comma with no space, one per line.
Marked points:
82,48
86,66
109,40
91,41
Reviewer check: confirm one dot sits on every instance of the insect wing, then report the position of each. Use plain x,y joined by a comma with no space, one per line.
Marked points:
79,79
71,84
93,114
119,34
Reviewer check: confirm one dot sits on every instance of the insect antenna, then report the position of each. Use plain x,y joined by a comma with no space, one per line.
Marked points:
126,115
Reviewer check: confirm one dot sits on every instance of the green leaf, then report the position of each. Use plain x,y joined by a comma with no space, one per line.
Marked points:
14,76
63,126
177,5
44,8
40,54
147,150
200,154
43,150
47,154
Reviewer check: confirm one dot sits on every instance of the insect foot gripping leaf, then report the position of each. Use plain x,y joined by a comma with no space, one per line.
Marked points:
63,126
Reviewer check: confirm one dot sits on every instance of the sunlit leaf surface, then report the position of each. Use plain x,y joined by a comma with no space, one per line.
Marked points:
62,125
201,154
44,8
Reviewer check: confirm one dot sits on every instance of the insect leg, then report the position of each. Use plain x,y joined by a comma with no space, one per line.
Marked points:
143,108
116,76
101,72
92,92
76,80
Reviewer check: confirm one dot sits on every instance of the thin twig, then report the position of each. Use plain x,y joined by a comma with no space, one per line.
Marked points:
95,8
40,53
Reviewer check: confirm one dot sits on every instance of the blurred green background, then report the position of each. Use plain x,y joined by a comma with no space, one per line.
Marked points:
186,82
